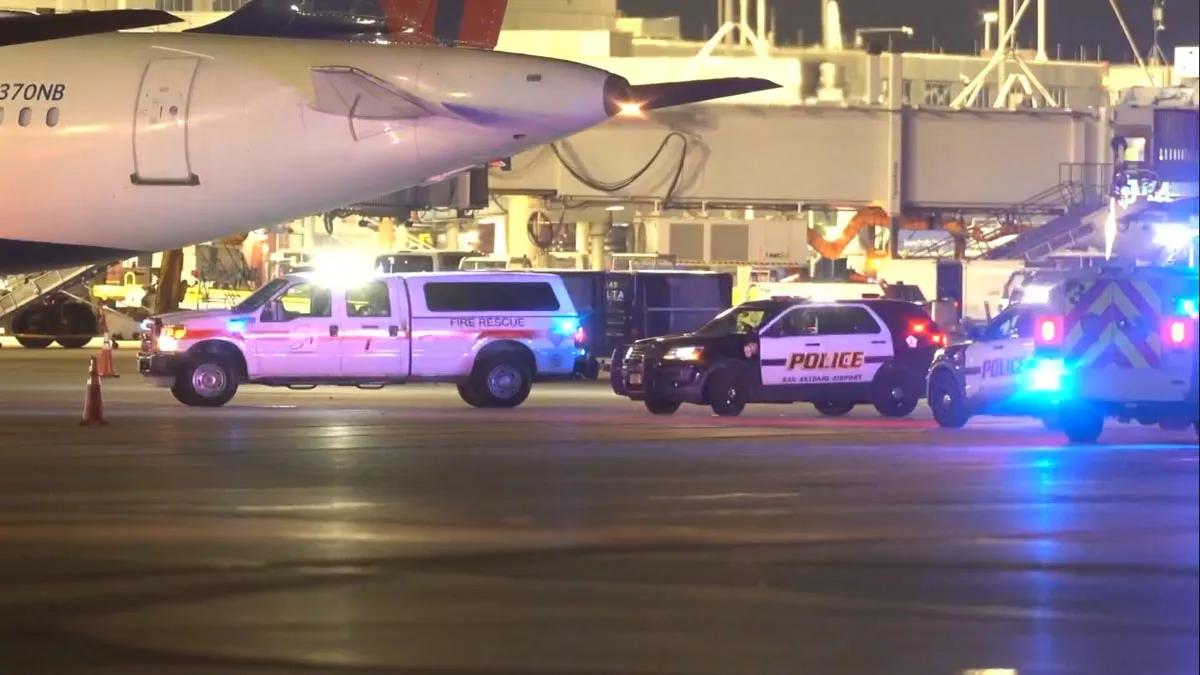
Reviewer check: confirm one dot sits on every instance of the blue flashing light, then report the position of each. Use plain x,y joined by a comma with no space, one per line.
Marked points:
237,324
566,326
1187,307
1046,375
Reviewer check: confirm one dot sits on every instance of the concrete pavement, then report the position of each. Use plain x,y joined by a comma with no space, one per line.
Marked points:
399,531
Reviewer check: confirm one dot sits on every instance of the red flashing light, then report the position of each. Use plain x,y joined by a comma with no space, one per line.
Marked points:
1177,331
918,327
580,336
938,339
1049,331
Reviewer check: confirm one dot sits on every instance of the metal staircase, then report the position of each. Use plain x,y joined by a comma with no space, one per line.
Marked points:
37,287
1077,225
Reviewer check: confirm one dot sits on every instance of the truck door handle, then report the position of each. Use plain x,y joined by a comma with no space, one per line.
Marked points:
812,344
997,348
365,327
393,331
879,342
333,331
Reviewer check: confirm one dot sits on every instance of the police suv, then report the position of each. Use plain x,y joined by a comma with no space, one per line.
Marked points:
835,355
492,334
983,376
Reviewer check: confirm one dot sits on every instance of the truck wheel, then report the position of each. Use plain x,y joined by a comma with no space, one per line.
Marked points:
947,402
501,382
728,392
73,342
468,396
206,381
895,394
616,371
831,409
591,371
1082,424
34,342
658,407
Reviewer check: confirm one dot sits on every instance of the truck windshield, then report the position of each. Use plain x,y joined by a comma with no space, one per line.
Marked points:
260,297
742,320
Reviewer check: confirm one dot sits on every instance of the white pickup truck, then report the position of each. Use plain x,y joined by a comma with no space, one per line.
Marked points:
492,334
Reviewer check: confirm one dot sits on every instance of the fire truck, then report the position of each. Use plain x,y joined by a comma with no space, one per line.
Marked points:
1118,341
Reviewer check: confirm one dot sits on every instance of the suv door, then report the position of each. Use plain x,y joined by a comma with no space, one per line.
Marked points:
859,342
374,332
296,334
787,347
993,363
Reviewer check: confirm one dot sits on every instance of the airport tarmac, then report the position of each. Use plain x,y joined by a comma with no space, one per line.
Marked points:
400,531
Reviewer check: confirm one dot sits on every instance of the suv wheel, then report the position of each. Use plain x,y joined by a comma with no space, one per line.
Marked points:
206,381
1082,423
831,409
501,382
895,394
658,407
947,402
728,392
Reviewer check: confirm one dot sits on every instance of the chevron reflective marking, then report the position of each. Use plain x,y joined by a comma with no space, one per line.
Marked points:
1123,320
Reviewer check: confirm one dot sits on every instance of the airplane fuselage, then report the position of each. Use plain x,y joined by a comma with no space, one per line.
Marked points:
143,142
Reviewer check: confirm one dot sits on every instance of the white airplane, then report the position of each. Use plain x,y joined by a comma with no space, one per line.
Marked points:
116,143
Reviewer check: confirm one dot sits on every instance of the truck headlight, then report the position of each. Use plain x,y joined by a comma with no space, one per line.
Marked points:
684,354
168,339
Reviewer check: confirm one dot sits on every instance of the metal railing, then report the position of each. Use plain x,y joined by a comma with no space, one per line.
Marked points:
39,286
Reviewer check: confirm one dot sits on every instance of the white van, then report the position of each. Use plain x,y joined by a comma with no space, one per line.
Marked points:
492,334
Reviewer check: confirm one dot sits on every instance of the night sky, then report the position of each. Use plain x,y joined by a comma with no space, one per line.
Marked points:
956,24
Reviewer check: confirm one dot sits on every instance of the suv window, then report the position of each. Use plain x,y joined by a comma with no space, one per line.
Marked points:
801,321
497,296
302,301
845,321
369,301
1013,323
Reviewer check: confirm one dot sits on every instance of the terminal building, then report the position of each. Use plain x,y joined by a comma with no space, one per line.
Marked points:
869,151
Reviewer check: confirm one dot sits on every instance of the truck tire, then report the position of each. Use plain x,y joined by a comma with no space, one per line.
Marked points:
728,391
1082,423
616,371
947,402
206,381
501,381
896,394
76,342
831,409
468,396
34,342
660,407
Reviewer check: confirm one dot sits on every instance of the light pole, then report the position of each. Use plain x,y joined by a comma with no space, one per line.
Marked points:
989,18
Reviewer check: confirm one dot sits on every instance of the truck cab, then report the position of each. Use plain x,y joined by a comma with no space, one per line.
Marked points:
492,334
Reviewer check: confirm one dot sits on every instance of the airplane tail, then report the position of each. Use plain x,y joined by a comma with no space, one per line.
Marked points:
468,23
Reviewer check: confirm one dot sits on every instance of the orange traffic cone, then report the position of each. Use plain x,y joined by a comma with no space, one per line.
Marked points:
93,403
107,367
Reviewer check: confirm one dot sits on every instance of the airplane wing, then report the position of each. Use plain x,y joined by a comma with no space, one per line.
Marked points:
16,30
350,92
